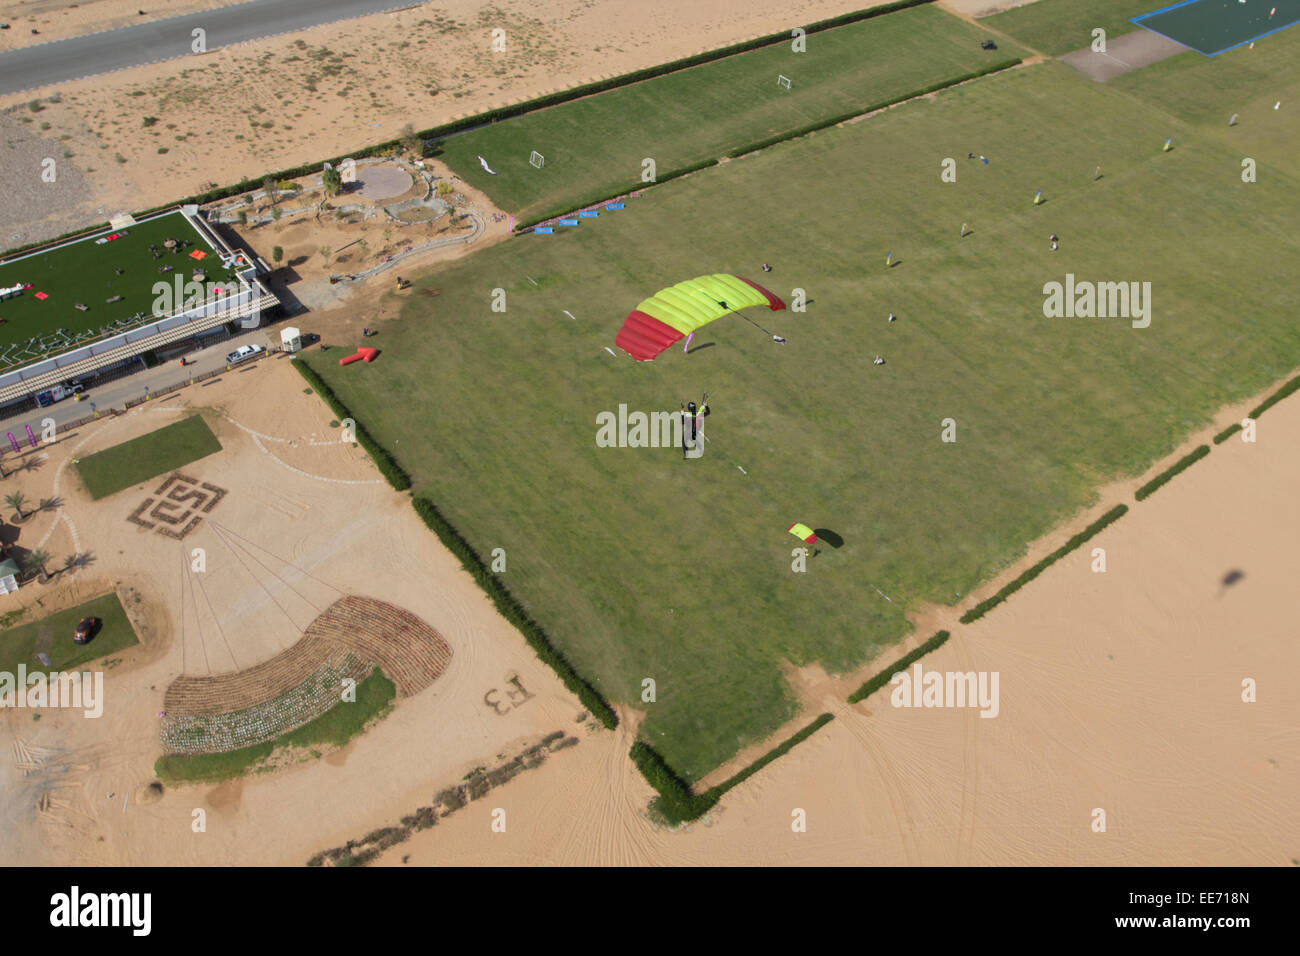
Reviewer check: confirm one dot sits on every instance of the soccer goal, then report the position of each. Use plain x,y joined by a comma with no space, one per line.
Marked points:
783,82
537,160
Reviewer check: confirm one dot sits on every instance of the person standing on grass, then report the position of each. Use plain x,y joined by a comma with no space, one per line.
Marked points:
1055,241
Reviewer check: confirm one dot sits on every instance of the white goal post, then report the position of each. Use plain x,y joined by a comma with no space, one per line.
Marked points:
537,160
783,82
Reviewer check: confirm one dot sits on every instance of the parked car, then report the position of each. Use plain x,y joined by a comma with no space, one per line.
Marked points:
243,353
57,393
84,628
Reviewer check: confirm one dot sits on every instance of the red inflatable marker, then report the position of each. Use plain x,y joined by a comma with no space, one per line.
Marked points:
349,359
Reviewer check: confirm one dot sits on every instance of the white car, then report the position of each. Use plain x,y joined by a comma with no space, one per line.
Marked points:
242,353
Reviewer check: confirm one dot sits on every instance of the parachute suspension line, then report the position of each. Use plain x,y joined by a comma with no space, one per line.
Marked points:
775,337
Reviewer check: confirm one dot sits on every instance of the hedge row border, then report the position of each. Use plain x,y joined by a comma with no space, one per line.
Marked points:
1227,433
594,199
677,804
983,607
513,611
1287,389
821,124
936,640
387,465
1181,465
434,134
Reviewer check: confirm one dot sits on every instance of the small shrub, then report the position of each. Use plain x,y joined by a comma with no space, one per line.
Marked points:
1227,433
979,610
1182,464
1276,397
903,663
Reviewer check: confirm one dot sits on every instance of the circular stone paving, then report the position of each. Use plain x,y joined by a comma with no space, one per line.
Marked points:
382,182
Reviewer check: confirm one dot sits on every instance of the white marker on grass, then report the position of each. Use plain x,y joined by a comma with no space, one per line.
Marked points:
610,351
569,314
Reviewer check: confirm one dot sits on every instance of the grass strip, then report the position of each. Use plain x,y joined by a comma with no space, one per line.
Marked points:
158,452
335,727
53,636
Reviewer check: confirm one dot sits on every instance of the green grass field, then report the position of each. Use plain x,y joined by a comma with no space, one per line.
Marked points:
334,728
121,466
594,146
53,636
1056,27
642,565
84,272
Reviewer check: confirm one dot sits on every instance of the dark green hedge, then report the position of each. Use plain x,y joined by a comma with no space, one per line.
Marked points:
1227,433
831,121
32,246
677,804
979,610
1182,464
387,466
650,72
513,611
902,664
1287,389
1276,397
675,801
604,196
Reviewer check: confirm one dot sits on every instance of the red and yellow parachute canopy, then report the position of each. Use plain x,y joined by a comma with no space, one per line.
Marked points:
671,314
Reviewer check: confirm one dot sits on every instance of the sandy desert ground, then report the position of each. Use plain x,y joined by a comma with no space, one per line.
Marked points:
136,139
60,19
305,519
1118,690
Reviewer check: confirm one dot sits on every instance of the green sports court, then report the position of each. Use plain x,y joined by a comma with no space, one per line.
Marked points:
1212,27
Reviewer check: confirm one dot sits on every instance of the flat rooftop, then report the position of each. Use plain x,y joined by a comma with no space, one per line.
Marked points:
112,279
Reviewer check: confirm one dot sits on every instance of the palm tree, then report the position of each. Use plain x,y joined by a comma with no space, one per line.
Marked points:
36,561
16,501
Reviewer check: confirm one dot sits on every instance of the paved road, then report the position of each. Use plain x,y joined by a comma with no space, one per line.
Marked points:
117,393
97,53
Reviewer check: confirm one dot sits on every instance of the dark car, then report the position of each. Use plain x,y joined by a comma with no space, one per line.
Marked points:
84,628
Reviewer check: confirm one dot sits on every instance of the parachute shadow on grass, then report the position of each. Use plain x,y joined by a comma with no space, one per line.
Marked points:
832,539
702,345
